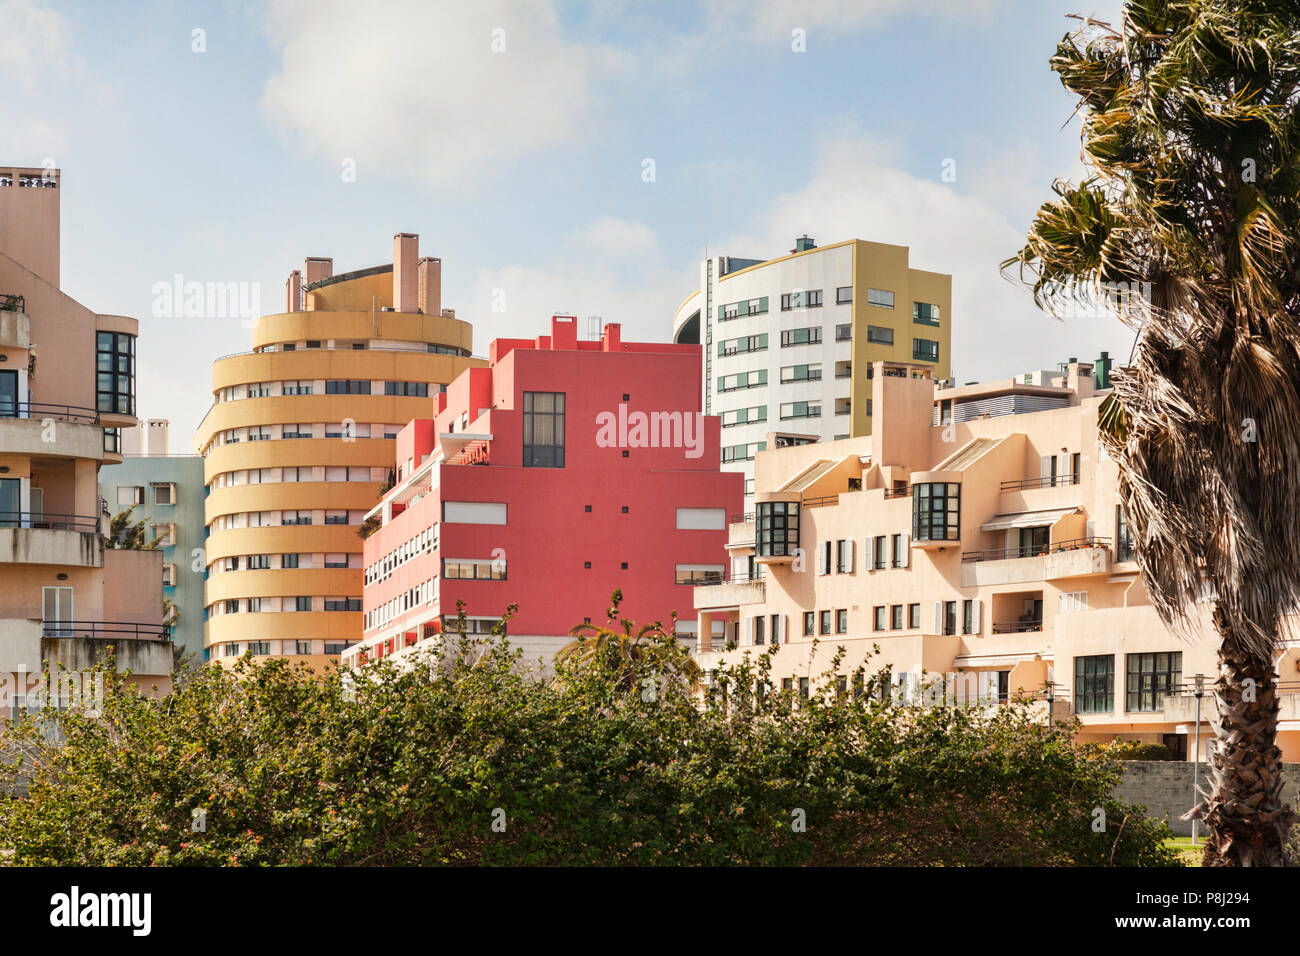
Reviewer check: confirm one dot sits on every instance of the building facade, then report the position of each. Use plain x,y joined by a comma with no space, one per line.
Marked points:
782,340
975,536
67,386
166,492
564,470
299,443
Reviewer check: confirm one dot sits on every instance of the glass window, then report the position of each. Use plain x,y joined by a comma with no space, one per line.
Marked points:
1094,684
880,334
896,617
914,616
825,622
777,527
808,623
544,429
842,621
936,511
878,617
925,349
880,297
115,372
844,294
1150,677
924,313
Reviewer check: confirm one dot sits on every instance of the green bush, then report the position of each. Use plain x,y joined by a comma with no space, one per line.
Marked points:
1137,750
617,761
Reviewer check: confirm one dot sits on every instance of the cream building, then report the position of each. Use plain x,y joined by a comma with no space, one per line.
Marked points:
975,534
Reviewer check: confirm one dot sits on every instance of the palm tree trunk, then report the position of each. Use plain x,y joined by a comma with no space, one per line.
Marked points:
1246,822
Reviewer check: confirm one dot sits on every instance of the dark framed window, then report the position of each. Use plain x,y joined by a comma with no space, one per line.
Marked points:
844,332
968,616
1150,677
825,622
777,527
544,429
473,570
936,511
842,621
878,613
696,576
880,297
896,617
759,627
115,372
302,603
925,350
924,313
843,294
949,617
809,623
1123,536
417,389
347,386
914,616
880,334
809,336
1094,684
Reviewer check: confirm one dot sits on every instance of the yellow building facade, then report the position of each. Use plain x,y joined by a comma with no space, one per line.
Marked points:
299,443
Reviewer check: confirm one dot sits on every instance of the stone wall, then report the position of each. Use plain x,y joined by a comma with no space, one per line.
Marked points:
1165,788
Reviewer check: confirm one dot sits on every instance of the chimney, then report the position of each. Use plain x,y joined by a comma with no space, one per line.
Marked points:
1102,369
293,292
564,332
429,285
406,250
803,244
611,339
317,268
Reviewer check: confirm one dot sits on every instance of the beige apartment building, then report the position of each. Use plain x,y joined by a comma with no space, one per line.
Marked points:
67,388
974,537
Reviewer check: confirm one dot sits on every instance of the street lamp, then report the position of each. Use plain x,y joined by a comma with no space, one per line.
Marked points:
1196,756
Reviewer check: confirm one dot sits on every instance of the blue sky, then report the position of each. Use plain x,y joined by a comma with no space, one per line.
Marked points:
522,167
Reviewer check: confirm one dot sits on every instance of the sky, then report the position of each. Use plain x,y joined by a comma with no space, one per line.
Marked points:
559,157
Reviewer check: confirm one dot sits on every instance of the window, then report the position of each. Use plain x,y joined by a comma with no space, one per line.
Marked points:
913,616
843,294
809,336
297,388
809,623
303,647
776,630
880,334
1071,601
878,619
969,617
925,350
164,493
416,389
1074,468
259,648
296,517
825,622
115,372
696,574
949,617
823,557
350,386
936,511
744,416
844,333
255,604
169,575
803,688
342,604
923,313
746,343
801,373
288,560
900,551
302,603
1150,678
732,383
474,570
231,650
1094,684
259,562
800,410
880,297
777,527
878,544
842,621
544,429
128,495
1123,537
232,606
744,452
896,617
844,556
759,626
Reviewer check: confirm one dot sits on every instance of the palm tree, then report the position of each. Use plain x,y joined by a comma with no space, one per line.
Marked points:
1191,132
623,652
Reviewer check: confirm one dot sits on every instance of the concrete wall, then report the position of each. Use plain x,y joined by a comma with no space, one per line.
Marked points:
1164,787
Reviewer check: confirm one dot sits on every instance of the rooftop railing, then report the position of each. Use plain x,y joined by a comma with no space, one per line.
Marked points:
1047,481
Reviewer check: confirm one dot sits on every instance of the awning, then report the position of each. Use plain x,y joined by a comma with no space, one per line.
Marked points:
1027,519
998,660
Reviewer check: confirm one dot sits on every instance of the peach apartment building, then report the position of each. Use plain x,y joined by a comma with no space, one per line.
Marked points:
67,387
975,534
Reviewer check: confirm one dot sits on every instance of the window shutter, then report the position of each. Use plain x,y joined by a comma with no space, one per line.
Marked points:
907,550
778,629
1090,528
821,558
849,547
975,616
749,631
938,617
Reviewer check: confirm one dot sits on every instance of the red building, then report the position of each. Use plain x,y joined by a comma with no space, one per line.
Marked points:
563,470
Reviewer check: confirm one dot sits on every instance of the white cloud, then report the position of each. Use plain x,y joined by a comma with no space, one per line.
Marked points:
35,41
779,17
418,87
612,237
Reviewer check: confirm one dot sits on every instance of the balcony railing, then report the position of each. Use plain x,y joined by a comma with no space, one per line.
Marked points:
898,492
12,303
1048,481
819,502
746,578
65,413
45,520
1017,627
738,519
1036,551
107,630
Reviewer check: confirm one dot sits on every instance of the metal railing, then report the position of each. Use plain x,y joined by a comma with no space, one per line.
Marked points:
819,502
66,413
47,521
898,492
1048,481
1017,627
747,578
738,519
107,630
1036,551
1187,688
12,303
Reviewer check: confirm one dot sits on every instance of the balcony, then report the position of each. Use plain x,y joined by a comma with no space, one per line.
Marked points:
1180,706
1074,557
735,591
64,431
68,540
80,645
1017,627
15,326
740,532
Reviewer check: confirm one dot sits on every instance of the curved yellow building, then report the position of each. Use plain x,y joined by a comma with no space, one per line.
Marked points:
299,443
